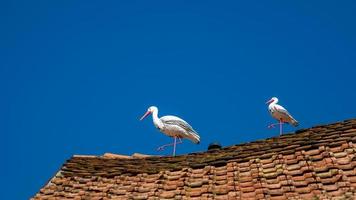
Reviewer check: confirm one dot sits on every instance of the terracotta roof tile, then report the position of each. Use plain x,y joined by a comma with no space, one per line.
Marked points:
318,163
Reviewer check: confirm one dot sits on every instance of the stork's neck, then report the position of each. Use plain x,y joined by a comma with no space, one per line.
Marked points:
156,121
271,105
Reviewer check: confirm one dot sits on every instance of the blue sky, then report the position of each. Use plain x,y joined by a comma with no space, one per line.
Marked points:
75,76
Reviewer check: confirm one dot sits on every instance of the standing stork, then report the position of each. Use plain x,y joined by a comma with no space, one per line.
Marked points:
280,114
172,126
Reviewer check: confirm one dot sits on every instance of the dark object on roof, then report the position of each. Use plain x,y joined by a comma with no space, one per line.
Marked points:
315,163
214,146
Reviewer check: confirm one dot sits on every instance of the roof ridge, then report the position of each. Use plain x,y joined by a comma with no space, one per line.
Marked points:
271,140
330,135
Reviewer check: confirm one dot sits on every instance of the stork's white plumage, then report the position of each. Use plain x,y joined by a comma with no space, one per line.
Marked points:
280,114
172,126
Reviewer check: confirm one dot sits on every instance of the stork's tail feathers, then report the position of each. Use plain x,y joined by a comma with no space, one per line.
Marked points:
294,122
194,137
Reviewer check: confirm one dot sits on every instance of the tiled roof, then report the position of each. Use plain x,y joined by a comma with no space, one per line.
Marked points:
314,163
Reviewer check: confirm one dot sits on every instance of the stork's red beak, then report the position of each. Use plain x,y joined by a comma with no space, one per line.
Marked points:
145,115
270,101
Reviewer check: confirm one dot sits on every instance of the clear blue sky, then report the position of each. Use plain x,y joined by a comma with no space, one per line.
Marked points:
75,76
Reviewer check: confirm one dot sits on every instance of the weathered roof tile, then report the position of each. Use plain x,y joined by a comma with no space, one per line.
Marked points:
319,162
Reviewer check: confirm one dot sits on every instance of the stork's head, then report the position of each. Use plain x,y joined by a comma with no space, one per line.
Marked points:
150,110
272,100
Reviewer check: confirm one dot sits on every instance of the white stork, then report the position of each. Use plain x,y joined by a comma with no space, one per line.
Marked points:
172,126
280,114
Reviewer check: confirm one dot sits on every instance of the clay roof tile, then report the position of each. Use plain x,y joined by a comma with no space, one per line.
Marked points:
318,162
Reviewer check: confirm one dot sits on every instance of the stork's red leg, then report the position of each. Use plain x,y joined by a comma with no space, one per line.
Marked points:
174,147
161,148
272,125
280,123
